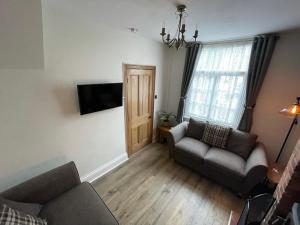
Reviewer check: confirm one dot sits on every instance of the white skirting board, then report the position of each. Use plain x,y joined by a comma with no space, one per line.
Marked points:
102,170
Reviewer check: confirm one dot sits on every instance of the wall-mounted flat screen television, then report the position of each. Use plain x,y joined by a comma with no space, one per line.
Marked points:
98,97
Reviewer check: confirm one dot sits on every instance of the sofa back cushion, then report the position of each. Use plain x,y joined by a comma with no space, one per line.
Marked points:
28,208
241,143
37,189
195,129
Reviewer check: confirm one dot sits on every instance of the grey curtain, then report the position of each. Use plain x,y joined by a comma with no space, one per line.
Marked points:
190,60
262,50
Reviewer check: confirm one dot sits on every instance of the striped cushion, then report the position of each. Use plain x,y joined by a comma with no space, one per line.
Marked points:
9,216
216,135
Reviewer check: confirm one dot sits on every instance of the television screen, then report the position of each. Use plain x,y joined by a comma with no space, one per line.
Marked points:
97,97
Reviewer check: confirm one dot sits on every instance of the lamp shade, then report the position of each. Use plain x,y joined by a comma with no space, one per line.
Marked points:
291,110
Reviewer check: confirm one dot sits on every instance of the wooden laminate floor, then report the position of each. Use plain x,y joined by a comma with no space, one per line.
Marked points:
150,189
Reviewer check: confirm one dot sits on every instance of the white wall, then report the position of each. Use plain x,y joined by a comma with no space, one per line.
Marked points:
40,124
21,30
280,88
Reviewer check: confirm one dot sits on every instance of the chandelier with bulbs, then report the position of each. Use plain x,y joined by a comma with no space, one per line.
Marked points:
179,37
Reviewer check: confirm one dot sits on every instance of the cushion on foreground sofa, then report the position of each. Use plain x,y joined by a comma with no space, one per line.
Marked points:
240,166
63,198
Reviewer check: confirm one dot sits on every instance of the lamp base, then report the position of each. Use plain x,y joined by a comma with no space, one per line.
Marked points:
295,122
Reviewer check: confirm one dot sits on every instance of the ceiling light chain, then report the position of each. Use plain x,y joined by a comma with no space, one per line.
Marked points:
179,37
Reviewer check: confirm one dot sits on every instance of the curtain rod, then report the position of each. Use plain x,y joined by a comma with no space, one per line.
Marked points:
228,41
245,39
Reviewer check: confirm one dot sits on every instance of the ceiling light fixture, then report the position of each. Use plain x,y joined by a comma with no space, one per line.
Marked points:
179,37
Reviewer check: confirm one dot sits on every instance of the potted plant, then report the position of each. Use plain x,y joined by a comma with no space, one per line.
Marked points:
166,118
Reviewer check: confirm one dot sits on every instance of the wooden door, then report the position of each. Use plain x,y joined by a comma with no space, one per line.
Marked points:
139,105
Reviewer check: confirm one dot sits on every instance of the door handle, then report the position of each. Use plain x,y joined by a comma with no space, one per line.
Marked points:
149,117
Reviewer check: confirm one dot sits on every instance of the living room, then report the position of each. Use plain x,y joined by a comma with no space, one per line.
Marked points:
48,48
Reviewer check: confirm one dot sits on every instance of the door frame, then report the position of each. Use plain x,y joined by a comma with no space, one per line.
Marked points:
125,81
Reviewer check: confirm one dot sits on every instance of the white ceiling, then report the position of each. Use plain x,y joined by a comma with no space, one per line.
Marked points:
216,19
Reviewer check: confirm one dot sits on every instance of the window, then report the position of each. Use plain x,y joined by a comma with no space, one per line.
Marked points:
217,91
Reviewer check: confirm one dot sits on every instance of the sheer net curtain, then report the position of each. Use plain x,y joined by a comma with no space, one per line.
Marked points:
217,91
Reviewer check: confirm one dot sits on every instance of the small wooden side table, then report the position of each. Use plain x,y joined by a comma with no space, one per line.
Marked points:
269,184
163,133
274,174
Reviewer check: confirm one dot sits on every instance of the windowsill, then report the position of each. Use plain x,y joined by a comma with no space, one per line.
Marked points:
186,119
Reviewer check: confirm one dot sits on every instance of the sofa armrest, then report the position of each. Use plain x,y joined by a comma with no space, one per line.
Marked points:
256,167
175,135
46,186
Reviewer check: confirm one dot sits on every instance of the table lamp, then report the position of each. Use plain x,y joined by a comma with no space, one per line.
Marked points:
291,111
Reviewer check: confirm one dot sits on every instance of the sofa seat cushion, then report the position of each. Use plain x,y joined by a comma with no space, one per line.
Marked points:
226,162
192,147
78,206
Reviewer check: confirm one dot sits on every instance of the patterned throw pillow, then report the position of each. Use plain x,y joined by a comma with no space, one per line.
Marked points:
216,135
9,216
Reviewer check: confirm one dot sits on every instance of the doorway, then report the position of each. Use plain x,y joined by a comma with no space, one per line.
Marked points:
139,86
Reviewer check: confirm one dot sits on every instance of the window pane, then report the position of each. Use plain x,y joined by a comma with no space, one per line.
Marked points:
217,91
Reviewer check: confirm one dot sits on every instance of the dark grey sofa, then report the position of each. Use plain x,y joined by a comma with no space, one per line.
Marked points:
241,166
64,199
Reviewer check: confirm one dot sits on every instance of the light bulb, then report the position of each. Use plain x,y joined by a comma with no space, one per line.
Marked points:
294,110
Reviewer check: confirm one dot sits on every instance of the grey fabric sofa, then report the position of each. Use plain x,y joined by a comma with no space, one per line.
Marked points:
64,199
241,166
